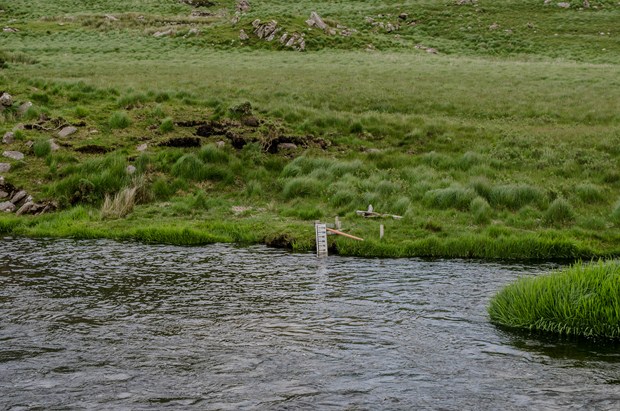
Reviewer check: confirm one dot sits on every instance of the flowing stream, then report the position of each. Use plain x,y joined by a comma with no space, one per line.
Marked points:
107,325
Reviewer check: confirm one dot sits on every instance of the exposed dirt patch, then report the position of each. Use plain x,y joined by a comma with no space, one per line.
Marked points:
181,142
93,149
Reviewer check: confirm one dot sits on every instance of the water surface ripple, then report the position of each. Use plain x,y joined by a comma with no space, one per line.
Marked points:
107,325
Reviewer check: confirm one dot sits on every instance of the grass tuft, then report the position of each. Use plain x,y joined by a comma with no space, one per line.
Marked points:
119,120
559,212
583,300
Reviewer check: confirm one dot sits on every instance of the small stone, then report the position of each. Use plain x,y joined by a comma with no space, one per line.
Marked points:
21,110
163,33
19,126
15,155
131,169
3,194
10,30
287,146
7,207
403,16
564,5
8,138
220,144
19,196
29,143
243,35
586,4
6,100
53,145
316,21
142,147
5,167
25,209
193,32
251,122
67,131
494,26
110,17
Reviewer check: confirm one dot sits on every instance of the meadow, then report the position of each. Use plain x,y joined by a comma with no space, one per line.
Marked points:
504,143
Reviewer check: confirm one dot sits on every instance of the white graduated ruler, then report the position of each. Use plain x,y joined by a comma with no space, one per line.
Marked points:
321,239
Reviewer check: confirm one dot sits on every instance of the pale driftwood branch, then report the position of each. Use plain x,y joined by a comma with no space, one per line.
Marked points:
372,214
331,230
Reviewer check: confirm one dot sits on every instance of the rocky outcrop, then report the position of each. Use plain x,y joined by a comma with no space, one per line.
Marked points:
14,155
67,131
8,138
20,202
316,21
265,31
243,6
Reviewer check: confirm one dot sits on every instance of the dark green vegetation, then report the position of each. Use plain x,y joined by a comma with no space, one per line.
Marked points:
582,300
505,144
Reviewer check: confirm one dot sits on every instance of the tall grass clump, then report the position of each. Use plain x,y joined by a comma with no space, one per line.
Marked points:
42,147
189,167
119,120
615,213
515,197
559,212
167,125
451,197
212,154
301,187
589,193
582,300
481,210
120,205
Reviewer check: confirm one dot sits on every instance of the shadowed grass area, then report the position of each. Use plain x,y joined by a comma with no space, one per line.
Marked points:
583,300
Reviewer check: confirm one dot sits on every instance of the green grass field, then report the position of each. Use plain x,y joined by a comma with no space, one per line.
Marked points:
504,144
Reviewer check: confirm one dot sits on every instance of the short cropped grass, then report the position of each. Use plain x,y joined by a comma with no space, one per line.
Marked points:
583,300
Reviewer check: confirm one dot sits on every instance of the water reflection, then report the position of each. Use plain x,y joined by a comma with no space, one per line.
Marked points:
99,324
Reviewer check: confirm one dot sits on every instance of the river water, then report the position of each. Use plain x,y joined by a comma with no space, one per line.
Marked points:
107,325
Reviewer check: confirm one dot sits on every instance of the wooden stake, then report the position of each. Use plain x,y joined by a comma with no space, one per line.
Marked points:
381,231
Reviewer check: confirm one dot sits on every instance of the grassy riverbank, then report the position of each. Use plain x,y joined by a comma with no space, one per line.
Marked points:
582,300
505,144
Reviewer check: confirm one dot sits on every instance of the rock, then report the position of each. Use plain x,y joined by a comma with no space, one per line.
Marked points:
220,144
165,33
3,194
19,196
67,131
15,155
403,16
25,208
29,143
10,30
19,126
7,207
110,17
250,122
192,32
586,4
243,36
316,21
8,138
131,169
21,110
287,146
5,167
235,19
466,2
142,147
564,5
390,27
267,30
243,6
6,100
53,145
494,26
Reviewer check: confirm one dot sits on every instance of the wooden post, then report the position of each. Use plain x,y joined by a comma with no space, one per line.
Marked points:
381,231
338,225
321,239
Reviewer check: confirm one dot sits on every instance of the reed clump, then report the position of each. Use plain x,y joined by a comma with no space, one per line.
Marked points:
582,300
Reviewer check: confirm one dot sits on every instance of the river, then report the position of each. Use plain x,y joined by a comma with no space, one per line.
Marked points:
99,324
